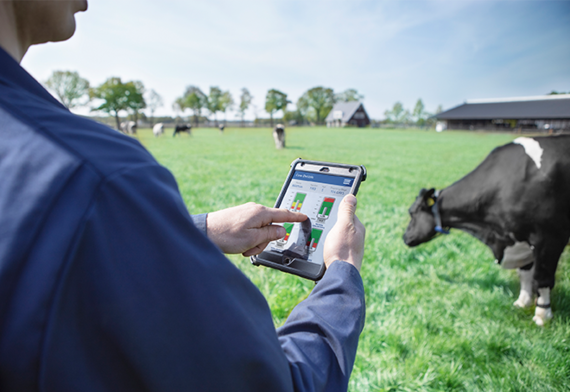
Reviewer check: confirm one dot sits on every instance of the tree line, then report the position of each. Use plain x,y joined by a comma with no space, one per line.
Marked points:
312,107
418,116
115,96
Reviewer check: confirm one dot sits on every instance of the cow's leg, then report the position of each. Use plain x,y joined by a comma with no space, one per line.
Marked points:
547,255
543,311
526,276
276,139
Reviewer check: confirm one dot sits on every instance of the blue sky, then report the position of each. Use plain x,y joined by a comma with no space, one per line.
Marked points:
442,51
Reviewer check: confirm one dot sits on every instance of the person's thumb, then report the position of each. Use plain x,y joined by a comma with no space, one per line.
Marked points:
347,208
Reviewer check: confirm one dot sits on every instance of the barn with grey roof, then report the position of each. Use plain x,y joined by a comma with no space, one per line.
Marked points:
347,114
546,113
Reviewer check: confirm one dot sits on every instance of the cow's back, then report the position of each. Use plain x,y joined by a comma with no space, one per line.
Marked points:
534,175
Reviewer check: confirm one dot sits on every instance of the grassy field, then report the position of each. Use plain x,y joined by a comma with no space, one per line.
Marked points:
440,316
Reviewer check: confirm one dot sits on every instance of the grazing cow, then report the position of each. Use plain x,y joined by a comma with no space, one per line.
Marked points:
279,136
517,202
129,127
182,128
158,129
221,126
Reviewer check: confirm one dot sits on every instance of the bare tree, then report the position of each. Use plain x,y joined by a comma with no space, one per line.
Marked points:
226,103
154,101
69,88
245,101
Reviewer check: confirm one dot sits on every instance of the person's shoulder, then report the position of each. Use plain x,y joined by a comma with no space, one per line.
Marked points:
104,149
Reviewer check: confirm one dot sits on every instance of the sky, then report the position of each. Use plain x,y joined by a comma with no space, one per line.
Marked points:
442,51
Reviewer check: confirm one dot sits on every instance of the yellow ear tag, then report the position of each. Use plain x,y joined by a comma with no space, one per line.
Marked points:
430,202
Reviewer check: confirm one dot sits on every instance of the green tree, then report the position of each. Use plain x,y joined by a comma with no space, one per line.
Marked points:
195,100
244,102
69,87
419,114
275,100
135,94
226,103
214,104
180,105
398,115
294,117
154,101
115,96
320,99
349,95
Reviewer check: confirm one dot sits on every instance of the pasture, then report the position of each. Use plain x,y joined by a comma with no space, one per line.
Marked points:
440,316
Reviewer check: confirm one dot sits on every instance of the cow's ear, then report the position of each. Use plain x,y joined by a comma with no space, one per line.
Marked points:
428,197
428,194
422,192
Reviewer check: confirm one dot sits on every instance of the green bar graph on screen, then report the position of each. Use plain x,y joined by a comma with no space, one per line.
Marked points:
298,202
313,241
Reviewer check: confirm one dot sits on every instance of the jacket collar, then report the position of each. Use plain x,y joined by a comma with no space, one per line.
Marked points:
13,75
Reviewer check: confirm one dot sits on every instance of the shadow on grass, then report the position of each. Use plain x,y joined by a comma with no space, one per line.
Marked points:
494,281
561,303
560,297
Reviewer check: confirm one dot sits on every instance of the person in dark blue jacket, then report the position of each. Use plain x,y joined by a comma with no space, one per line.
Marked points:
107,283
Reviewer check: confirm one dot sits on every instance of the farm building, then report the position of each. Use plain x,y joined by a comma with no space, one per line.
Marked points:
546,113
347,113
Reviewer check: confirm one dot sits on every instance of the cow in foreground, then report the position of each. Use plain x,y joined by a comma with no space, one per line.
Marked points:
182,128
279,136
129,127
517,202
158,129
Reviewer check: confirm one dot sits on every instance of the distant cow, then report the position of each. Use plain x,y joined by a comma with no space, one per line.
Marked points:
182,128
517,202
129,127
279,136
222,127
158,129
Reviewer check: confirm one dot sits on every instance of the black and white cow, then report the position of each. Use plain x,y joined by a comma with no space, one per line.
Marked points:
129,127
279,136
221,127
517,202
182,128
158,129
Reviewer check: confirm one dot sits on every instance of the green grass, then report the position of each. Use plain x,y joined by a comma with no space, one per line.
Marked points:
440,316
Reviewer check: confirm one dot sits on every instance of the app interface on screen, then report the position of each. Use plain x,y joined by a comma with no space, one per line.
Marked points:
317,196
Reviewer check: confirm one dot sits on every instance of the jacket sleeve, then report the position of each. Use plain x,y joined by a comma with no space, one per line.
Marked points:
147,302
320,337
200,222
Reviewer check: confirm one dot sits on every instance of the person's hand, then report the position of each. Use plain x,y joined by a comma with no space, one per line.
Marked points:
248,228
345,241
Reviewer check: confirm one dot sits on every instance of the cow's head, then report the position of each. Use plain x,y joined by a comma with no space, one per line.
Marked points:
422,226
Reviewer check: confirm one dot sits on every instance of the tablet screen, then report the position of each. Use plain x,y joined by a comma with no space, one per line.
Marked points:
316,195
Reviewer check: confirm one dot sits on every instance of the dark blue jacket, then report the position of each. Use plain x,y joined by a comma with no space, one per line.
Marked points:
106,284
